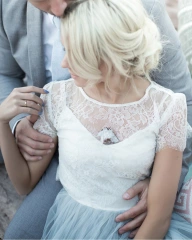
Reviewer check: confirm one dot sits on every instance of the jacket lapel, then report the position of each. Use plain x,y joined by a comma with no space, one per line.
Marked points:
35,46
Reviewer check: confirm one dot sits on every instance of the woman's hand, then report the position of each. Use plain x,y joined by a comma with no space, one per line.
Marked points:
21,100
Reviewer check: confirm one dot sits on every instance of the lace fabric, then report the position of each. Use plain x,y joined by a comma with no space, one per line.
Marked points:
54,104
158,105
95,174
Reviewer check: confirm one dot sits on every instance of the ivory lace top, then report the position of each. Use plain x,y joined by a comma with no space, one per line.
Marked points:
96,174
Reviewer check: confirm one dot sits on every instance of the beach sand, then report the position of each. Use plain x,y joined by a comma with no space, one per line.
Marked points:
9,200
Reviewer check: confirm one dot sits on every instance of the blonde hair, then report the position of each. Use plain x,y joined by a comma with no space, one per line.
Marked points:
118,33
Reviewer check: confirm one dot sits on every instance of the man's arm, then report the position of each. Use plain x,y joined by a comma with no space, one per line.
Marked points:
173,72
11,75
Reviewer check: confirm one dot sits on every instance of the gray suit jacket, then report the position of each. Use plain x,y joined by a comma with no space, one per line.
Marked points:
21,53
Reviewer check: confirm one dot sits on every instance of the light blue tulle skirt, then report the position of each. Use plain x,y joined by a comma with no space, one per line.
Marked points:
68,219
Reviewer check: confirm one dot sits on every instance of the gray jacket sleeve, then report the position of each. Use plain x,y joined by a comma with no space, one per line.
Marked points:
173,72
11,75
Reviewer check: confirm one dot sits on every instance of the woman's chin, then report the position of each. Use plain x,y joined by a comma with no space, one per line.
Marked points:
79,82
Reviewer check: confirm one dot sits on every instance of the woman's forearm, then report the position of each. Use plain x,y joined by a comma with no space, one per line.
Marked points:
24,175
16,165
153,228
161,194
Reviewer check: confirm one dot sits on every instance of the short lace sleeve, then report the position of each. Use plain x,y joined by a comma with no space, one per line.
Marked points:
173,126
45,123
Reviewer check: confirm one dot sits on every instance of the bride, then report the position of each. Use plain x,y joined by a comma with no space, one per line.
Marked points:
113,126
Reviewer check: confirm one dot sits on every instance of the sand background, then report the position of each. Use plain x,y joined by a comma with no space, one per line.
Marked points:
9,200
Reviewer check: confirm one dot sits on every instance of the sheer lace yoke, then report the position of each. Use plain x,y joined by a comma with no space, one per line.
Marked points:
158,106
99,135
123,119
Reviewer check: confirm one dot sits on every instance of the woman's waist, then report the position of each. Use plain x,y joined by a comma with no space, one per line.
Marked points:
106,203
106,195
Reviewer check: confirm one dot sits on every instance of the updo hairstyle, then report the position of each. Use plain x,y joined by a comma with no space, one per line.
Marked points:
118,33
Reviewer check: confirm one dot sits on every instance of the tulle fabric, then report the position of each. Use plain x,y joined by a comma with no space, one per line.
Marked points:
179,228
68,219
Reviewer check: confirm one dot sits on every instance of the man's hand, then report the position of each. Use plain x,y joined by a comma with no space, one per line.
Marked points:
136,213
32,144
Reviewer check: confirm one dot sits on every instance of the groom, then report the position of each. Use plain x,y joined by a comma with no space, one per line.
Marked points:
30,48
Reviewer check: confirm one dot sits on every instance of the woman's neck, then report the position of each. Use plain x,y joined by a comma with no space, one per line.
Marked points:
119,92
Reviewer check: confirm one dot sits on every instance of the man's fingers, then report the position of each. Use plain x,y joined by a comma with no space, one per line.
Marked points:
137,189
30,158
32,89
30,104
32,118
34,135
35,145
27,110
133,233
133,224
34,98
133,212
39,137
33,152
29,97
137,213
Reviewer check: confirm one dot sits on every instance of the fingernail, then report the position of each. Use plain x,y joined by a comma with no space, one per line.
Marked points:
52,145
126,196
121,231
49,151
131,236
39,158
117,219
46,91
50,140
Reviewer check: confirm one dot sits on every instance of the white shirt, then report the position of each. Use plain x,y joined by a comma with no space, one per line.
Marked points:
53,49
50,36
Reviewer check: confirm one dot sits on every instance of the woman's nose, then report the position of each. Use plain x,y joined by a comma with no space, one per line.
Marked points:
64,63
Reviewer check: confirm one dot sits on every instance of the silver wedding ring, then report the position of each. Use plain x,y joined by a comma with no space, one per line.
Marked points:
25,103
